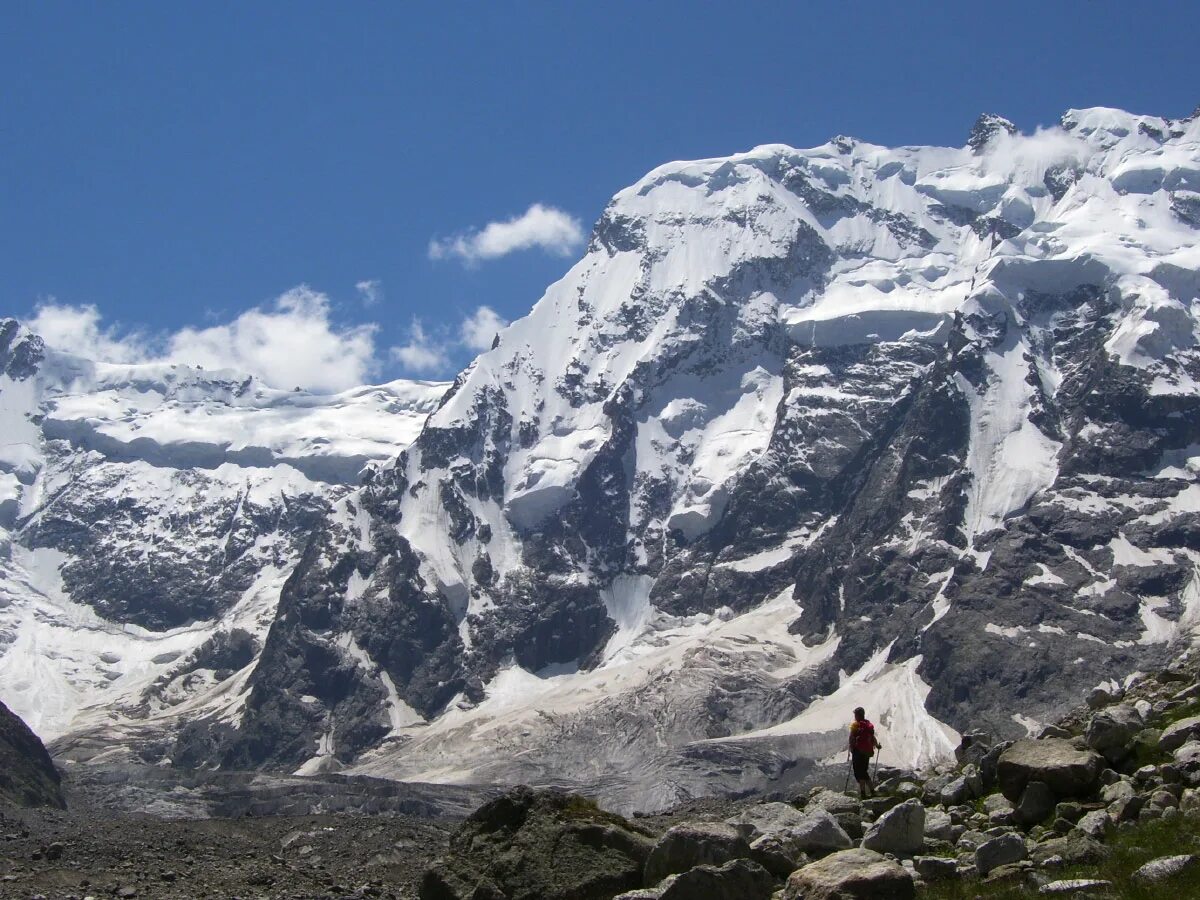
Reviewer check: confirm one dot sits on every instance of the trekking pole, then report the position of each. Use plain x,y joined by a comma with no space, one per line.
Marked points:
849,764
878,754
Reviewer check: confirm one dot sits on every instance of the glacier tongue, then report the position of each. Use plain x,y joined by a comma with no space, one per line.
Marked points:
914,427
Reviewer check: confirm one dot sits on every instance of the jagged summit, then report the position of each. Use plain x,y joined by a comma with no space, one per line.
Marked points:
986,127
803,429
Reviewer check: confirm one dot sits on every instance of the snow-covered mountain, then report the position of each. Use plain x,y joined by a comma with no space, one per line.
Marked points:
149,515
914,428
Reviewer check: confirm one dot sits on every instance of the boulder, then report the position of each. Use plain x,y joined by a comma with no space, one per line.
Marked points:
1095,824
1074,849
1075,886
833,802
1188,755
818,833
999,851
1067,771
777,854
939,825
973,746
1165,867
765,818
1111,731
1037,802
901,830
1179,733
543,843
738,879
851,875
1118,790
935,868
692,844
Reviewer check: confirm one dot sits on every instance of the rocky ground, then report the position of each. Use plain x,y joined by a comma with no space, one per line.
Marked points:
55,854
1105,803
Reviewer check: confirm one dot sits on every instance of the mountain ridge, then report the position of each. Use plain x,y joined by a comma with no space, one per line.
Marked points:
914,426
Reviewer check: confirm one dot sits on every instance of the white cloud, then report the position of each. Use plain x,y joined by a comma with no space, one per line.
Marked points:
540,226
423,354
370,291
1028,156
77,329
292,342
479,329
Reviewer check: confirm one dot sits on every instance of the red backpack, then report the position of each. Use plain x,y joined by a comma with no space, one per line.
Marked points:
864,737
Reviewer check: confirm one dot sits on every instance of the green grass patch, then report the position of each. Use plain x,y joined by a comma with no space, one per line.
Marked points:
1189,709
1128,851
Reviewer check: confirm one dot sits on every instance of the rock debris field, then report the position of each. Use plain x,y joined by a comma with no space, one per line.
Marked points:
1105,803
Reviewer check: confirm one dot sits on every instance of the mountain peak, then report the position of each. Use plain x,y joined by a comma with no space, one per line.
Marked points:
987,127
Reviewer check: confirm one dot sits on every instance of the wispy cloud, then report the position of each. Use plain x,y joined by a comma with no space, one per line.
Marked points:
479,329
432,351
424,353
370,291
291,342
78,330
539,226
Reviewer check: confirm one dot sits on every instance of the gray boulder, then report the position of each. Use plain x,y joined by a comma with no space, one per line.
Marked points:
1179,733
833,802
777,853
1111,731
542,843
851,875
818,833
1165,867
901,830
738,879
765,818
1074,849
939,825
1188,755
1000,851
1067,771
1095,824
1075,886
935,868
1037,802
692,844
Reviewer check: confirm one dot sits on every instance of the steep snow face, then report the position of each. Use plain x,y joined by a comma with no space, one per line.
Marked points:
149,516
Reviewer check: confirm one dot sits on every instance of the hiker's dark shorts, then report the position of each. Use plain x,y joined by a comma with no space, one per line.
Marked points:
861,763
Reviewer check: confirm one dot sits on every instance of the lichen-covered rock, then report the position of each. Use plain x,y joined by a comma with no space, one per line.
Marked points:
1066,770
856,874
545,844
693,844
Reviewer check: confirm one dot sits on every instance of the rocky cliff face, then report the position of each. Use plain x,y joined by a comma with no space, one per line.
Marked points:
910,428
27,774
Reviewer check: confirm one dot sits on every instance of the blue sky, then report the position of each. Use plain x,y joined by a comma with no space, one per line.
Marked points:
167,170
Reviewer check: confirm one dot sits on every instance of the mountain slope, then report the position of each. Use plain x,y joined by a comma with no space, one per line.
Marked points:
914,428
149,515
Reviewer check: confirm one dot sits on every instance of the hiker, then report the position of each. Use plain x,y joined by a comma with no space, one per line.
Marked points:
863,745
